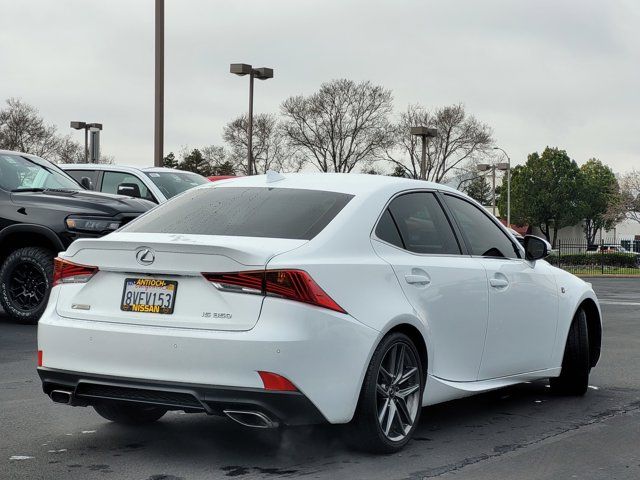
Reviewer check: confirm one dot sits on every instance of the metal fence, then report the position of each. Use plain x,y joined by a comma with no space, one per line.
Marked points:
607,257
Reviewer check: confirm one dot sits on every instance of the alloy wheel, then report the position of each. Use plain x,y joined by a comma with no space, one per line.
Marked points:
27,287
398,391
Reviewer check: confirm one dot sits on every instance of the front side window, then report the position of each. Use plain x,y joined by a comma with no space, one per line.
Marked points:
22,173
111,180
78,175
245,212
421,225
483,236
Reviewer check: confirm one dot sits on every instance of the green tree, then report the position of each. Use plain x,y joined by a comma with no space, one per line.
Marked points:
546,192
170,161
599,193
480,190
399,171
195,162
225,168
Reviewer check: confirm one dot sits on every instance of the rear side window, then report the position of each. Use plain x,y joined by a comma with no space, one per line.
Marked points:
388,231
245,212
422,224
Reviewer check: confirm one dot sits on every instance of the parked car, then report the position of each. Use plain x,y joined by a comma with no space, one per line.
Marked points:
516,235
156,184
311,298
216,178
42,211
609,248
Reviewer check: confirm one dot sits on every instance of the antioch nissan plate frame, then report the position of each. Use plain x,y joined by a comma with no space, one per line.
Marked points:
149,295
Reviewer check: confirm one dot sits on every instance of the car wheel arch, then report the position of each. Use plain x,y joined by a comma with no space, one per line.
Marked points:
594,328
27,235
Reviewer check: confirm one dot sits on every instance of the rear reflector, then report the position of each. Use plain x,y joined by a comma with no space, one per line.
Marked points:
39,358
273,381
65,271
290,284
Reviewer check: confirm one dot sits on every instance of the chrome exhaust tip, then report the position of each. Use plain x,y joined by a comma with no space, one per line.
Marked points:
251,419
61,396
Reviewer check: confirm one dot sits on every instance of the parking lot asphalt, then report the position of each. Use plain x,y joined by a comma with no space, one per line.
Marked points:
521,432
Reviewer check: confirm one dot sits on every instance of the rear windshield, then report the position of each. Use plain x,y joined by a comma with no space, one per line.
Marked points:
245,212
173,183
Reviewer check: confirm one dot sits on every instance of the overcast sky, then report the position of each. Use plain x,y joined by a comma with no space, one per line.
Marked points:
550,72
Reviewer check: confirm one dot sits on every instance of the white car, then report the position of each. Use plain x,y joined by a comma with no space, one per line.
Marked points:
305,298
157,184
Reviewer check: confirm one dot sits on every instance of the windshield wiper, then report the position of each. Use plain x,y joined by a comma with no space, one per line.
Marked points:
29,189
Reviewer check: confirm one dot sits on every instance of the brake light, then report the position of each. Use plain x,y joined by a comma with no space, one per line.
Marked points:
273,381
65,271
290,284
39,358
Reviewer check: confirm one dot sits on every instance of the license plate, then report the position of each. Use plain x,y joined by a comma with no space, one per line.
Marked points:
149,295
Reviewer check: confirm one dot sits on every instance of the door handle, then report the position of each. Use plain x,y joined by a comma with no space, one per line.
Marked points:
498,282
417,279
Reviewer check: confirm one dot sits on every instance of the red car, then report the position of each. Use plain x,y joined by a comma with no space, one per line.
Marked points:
215,178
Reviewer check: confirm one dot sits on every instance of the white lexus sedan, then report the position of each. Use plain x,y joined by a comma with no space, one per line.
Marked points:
307,298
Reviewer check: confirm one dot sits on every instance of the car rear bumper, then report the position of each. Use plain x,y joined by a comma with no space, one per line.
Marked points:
287,408
323,353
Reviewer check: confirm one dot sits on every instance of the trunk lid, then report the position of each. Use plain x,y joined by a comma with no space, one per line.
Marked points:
175,257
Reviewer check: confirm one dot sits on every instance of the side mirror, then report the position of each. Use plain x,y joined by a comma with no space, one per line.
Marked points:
86,183
536,248
129,189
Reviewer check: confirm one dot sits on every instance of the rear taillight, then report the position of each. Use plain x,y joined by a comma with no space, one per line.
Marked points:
39,358
65,271
290,284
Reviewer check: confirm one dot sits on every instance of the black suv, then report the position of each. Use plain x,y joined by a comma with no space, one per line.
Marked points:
43,210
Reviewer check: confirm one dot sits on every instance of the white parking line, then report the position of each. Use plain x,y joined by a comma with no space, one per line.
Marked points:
614,302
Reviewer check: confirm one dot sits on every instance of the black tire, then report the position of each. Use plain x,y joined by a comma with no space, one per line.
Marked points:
365,432
26,277
574,377
128,414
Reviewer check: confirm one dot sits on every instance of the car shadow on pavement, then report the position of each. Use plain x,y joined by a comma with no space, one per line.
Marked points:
200,439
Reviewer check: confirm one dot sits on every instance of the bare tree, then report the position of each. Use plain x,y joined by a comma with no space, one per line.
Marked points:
461,141
69,151
340,126
270,149
630,195
22,129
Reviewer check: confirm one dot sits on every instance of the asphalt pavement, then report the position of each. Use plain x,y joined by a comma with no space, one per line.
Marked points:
521,432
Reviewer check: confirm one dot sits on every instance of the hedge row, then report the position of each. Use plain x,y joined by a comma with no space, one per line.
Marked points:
622,260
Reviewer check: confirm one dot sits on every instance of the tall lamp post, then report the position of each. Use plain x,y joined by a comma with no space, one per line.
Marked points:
87,127
158,127
508,185
483,167
263,73
424,133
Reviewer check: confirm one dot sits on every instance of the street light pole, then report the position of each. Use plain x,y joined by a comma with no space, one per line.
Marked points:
483,167
89,127
158,143
263,73
424,133
508,185
86,145
250,127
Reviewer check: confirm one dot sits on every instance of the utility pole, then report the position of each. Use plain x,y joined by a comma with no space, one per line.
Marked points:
158,139
263,73
424,133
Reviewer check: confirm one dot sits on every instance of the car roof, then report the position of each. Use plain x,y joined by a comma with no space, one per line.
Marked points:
109,166
352,183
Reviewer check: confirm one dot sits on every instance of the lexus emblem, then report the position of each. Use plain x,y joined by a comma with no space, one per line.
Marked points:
145,256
